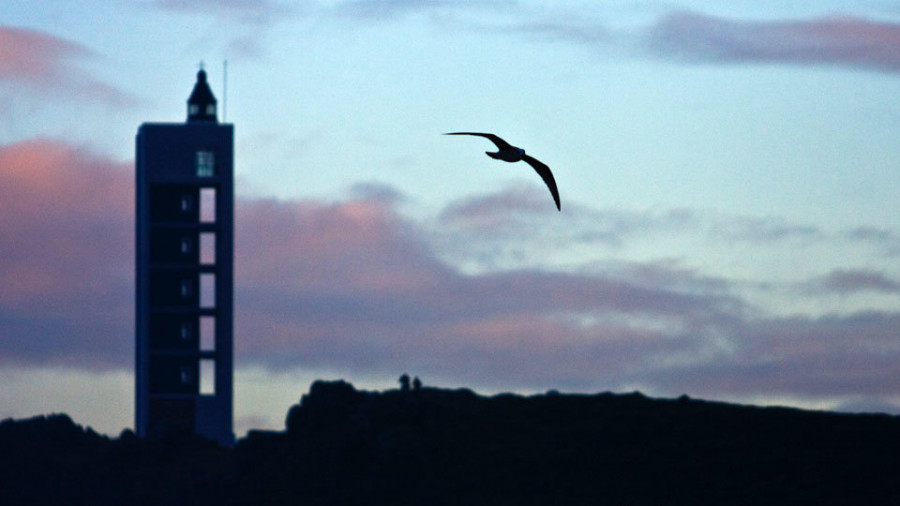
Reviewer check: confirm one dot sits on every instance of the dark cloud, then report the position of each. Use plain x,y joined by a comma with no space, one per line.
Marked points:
354,285
511,227
845,281
499,214
377,192
43,62
696,37
844,41
830,356
883,239
679,35
670,273
763,230
521,210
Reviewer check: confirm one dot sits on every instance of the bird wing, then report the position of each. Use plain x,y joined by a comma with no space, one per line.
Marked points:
546,175
501,144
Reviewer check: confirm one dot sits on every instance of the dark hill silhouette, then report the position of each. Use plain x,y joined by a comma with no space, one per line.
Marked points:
435,446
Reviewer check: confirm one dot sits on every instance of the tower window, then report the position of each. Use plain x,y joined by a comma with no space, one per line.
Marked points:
207,205
207,377
206,163
207,333
207,248
207,290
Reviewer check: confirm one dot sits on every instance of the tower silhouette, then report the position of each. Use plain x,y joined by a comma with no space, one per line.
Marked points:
184,273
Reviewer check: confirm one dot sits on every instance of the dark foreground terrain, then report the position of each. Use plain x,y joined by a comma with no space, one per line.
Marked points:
437,447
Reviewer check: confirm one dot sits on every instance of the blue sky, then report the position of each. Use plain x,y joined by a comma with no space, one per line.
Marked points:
728,176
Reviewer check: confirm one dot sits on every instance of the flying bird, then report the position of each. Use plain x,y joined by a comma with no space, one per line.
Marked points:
509,153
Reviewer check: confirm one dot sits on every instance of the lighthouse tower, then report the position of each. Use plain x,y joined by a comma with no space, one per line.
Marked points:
184,273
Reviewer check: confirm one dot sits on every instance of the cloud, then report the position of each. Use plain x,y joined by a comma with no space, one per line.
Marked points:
802,357
66,224
377,192
846,281
498,214
519,210
48,64
844,41
256,12
340,282
693,37
380,9
511,201
253,17
883,239
516,210
645,30
353,285
512,228
583,33
389,9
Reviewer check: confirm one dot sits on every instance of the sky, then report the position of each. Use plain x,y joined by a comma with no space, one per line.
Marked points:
730,223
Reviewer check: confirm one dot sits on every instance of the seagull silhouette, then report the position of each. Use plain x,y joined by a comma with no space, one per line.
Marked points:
509,153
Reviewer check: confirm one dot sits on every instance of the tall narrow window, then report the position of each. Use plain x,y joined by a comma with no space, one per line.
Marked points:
207,248
206,164
207,290
207,377
208,205
207,333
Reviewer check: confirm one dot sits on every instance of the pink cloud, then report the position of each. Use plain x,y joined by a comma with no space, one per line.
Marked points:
46,63
34,56
849,41
66,218
353,285
351,246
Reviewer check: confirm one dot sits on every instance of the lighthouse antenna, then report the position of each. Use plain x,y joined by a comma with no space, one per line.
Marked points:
224,91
